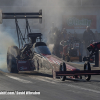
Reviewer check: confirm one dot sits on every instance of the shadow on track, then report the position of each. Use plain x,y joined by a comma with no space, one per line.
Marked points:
36,74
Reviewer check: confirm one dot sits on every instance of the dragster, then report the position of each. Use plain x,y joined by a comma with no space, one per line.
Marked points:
33,55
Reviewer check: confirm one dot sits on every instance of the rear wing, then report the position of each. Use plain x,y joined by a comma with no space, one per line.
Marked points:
29,15
23,38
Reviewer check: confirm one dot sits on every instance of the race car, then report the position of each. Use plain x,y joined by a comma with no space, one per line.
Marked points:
35,55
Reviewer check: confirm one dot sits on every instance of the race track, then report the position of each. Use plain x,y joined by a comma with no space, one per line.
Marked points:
49,88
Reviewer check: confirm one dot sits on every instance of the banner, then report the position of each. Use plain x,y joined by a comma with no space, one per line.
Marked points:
79,21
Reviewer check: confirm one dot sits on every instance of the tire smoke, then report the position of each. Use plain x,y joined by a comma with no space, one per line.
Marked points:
6,40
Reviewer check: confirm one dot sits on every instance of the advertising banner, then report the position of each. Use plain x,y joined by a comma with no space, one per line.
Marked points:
79,21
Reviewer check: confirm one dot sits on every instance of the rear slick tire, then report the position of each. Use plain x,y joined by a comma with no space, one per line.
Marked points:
11,59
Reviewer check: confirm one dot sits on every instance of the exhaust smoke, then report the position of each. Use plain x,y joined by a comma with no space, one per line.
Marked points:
6,40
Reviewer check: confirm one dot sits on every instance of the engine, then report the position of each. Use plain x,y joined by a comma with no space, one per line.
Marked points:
26,51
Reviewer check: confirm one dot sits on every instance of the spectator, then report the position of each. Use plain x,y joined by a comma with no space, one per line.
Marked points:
88,37
97,36
63,34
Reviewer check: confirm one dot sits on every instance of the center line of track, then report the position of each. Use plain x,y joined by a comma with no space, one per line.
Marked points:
19,79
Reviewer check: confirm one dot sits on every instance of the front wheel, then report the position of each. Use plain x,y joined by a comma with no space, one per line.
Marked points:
62,68
87,67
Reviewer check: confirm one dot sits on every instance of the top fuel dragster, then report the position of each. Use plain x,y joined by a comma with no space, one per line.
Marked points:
33,55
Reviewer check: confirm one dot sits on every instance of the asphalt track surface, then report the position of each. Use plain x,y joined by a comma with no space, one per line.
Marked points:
49,88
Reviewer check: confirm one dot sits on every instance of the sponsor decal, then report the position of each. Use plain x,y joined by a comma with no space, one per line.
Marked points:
55,61
79,21
75,21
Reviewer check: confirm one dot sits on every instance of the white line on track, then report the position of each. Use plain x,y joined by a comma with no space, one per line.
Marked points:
19,79
82,88
45,80
69,85
53,82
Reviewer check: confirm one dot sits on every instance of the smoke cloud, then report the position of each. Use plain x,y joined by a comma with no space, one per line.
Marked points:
6,40
52,11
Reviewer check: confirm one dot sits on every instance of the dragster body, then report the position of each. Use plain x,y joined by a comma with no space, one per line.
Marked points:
39,59
32,55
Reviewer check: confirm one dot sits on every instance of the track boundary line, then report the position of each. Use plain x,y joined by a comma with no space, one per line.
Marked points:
19,79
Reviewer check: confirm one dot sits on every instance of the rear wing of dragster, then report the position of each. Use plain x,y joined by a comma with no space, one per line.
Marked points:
28,15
